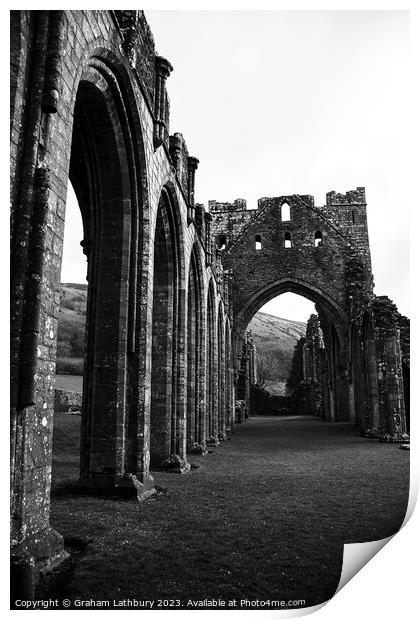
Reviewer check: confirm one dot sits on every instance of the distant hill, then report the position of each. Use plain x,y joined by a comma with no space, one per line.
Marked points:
71,328
275,339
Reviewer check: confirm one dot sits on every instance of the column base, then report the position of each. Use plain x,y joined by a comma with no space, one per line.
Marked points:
33,557
197,448
370,433
221,436
402,438
125,485
175,464
212,442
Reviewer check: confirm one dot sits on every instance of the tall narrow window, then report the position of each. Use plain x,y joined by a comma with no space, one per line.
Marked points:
352,217
318,238
287,240
258,242
285,212
222,242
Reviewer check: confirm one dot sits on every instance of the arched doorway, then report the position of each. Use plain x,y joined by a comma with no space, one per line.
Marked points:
221,352
228,370
211,364
166,436
105,173
335,385
195,349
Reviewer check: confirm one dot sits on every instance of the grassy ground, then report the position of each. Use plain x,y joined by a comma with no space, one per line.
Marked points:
72,383
264,516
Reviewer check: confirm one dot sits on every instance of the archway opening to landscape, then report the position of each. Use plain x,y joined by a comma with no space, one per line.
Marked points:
221,379
71,346
211,375
229,405
97,171
165,333
293,353
103,189
194,334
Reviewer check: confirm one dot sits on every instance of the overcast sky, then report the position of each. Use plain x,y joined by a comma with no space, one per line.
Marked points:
277,103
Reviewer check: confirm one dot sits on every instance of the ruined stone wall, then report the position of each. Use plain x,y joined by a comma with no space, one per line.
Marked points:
89,102
228,220
261,260
348,212
322,253
313,386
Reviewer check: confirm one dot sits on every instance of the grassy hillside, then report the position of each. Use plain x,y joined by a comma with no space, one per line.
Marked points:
71,328
275,340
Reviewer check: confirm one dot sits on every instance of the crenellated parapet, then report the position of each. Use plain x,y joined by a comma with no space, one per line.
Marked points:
352,197
229,218
348,212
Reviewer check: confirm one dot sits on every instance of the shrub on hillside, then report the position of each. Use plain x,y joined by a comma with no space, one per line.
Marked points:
68,302
64,349
70,336
69,366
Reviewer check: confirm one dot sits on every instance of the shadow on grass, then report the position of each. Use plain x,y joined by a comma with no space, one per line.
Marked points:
265,517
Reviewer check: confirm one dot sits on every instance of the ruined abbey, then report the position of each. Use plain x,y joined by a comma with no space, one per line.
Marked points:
172,285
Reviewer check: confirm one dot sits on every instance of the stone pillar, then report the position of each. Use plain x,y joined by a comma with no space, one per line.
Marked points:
180,443
332,406
202,368
161,131
352,409
199,220
176,146
192,167
35,546
208,238
389,370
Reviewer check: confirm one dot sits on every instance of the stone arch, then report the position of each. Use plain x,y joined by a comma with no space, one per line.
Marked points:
333,320
211,364
195,349
364,373
358,375
97,142
106,173
229,411
107,170
370,374
283,285
221,374
167,339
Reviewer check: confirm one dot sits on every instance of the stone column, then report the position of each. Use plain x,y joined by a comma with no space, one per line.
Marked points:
192,167
163,70
389,370
176,145
207,238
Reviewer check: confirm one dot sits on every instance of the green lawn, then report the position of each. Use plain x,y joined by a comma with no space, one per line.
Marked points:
264,516
72,383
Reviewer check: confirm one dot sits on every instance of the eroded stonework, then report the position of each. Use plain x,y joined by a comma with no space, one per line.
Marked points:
171,286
